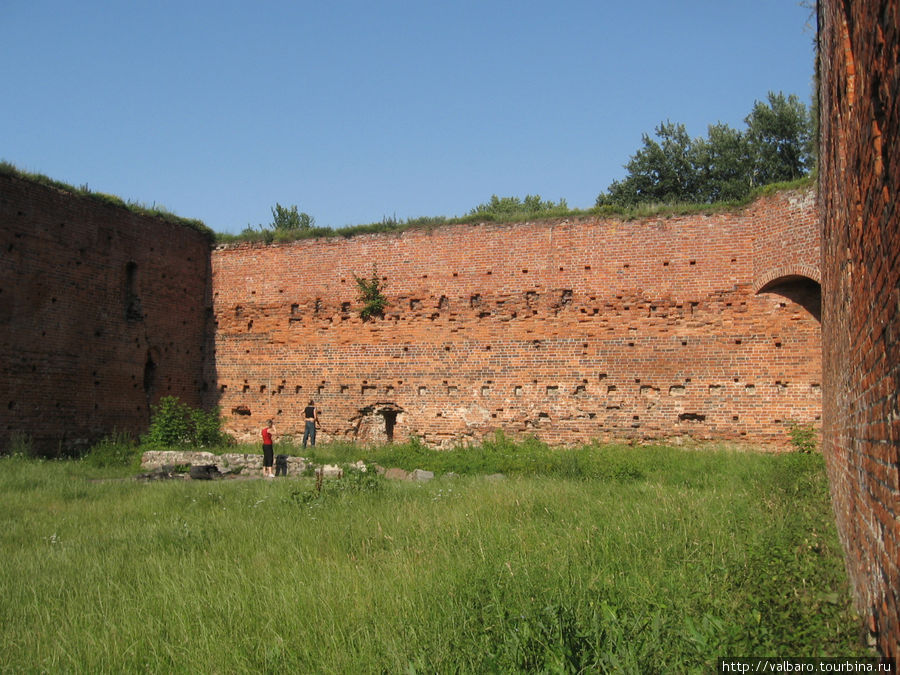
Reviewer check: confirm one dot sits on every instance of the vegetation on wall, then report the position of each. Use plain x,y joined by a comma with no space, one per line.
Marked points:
727,165
371,295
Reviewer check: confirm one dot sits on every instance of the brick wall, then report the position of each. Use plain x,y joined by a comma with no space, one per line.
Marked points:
101,313
859,182
571,330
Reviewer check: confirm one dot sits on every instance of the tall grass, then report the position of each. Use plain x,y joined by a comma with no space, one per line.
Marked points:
684,558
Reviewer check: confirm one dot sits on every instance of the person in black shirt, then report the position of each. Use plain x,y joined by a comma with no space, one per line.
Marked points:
311,417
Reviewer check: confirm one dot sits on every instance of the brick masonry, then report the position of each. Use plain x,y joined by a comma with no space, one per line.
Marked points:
859,182
102,312
701,326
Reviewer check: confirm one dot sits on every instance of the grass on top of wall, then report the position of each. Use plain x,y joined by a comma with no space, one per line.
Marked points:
139,208
625,213
683,558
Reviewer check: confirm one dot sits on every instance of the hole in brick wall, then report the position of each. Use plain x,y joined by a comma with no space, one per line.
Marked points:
524,271
345,307
485,391
517,390
734,418
601,376
530,297
665,263
692,417
223,388
423,390
368,389
684,343
295,309
544,415
262,389
452,389
777,345
415,303
552,390
587,268
245,388
446,348
611,388
579,389
475,300
692,262
738,341
250,324
566,297
240,410
487,348
626,266
298,389
676,390
345,388
815,385
443,303
734,260
483,314
455,274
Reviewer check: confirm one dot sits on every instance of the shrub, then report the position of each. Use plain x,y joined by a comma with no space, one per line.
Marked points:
803,437
116,450
175,423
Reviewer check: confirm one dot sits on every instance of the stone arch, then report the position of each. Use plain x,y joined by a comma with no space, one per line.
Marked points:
802,289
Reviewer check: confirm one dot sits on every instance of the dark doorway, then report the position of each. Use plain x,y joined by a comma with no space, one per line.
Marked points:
390,420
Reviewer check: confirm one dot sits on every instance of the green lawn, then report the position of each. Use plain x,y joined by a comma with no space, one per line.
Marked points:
602,558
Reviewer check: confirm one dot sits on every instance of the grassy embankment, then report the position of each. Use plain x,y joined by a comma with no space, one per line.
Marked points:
610,558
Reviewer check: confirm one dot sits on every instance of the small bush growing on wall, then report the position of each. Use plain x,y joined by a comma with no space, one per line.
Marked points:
175,423
371,295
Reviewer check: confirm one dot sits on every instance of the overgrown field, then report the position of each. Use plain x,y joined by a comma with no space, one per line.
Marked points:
636,560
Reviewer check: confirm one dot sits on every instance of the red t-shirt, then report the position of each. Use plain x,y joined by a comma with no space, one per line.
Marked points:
267,437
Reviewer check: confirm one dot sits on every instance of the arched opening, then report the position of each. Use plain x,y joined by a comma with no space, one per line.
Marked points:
800,290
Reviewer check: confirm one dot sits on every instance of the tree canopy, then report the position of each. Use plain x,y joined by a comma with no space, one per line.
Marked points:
776,146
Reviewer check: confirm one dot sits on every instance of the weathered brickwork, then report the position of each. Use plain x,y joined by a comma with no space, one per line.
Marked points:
859,182
101,312
700,326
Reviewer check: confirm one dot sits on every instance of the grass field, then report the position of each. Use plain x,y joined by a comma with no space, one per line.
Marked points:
635,560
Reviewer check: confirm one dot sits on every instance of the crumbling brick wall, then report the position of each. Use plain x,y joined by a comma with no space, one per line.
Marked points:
102,312
859,182
571,330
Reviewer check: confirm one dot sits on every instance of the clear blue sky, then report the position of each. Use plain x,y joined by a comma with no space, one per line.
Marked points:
359,109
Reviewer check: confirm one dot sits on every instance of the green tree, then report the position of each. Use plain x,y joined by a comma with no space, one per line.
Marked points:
660,171
780,135
722,164
777,146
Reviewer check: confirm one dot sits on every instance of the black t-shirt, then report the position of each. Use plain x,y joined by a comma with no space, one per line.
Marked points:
310,412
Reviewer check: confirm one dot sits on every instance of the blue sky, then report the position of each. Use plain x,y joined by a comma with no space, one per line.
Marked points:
356,110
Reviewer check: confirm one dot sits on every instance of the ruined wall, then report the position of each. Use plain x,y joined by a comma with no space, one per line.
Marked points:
102,312
859,182
569,330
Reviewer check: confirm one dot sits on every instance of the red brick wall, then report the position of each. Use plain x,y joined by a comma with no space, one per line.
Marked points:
77,322
859,182
568,330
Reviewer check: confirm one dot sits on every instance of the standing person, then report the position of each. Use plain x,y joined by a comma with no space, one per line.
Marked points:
311,417
268,453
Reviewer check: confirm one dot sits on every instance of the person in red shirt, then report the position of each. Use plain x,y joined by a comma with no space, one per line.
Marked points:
268,453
